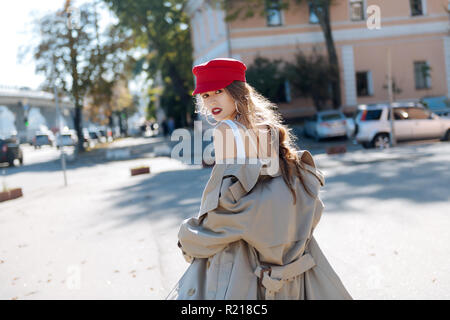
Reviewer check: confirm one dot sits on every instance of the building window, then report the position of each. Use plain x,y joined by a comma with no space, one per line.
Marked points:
422,75
357,10
273,12
364,86
313,19
416,7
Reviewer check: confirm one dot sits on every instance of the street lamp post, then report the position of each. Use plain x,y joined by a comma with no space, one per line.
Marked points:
59,124
392,141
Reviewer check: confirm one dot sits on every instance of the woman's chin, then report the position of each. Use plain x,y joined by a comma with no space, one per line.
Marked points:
218,117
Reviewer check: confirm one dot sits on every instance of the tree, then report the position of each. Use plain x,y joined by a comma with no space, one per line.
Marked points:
311,76
72,58
114,67
161,29
248,8
116,100
267,77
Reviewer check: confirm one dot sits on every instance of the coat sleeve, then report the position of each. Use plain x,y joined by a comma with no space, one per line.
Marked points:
210,233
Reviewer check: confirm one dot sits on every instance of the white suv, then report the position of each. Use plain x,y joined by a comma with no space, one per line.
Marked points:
412,121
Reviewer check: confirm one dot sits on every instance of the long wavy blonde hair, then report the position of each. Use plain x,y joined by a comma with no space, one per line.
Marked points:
254,111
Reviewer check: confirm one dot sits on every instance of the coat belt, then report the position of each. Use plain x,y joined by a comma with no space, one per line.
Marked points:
274,277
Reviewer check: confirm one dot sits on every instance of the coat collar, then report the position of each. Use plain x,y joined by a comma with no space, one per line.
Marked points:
247,174
310,165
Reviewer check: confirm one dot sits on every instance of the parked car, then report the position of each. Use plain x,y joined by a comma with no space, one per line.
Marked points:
326,124
66,138
438,105
94,136
443,113
87,140
412,121
103,135
43,138
10,151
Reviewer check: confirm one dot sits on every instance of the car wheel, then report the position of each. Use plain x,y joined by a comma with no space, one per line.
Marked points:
446,136
381,141
366,145
11,162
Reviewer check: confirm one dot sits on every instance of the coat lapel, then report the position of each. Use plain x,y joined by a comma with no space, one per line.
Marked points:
247,174
310,165
210,197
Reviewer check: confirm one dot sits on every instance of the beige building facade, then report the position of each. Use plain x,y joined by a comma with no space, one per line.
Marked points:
415,32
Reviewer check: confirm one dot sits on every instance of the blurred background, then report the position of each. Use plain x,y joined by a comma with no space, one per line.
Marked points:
92,90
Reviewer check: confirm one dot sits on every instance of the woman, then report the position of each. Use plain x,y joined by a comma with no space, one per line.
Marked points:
253,236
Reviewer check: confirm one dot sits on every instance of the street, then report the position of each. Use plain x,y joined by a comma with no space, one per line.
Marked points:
112,236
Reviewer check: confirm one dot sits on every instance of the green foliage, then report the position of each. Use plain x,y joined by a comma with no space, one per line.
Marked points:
311,76
243,9
78,60
267,77
161,30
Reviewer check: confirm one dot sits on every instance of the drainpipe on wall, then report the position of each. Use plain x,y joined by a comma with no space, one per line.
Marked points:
228,39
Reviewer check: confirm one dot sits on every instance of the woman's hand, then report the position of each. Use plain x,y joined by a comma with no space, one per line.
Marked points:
186,257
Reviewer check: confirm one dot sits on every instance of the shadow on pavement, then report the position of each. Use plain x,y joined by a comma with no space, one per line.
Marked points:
174,194
177,194
385,180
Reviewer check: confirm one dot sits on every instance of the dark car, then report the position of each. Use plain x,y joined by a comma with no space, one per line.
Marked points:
10,150
93,135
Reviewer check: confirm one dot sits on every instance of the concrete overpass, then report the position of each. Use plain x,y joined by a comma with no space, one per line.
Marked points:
39,108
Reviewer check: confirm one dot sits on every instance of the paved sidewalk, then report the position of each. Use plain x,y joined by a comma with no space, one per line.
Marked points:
112,236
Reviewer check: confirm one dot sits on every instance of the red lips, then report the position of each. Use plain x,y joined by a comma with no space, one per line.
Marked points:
216,111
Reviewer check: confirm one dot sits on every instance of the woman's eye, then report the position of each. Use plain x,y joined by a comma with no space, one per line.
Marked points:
205,96
218,91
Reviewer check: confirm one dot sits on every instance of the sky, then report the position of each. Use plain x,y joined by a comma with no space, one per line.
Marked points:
16,26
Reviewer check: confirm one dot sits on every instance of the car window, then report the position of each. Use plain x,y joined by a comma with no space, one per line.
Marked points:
417,113
330,117
367,115
400,114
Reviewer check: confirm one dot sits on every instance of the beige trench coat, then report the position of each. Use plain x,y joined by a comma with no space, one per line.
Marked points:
249,241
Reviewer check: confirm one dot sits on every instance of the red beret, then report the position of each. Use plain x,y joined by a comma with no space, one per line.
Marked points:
217,74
